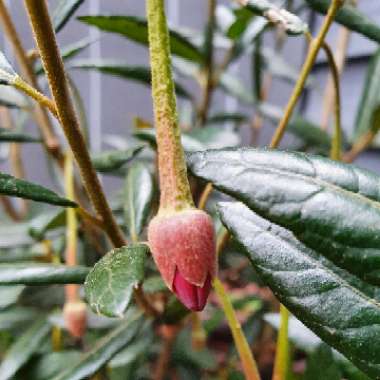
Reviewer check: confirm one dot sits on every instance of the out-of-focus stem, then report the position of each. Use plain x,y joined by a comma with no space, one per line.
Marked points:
52,61
50,139
314,48
281,364
360,145
209,63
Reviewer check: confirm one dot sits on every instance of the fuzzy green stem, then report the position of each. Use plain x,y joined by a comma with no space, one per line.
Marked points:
174,185
53,64
248,362
314,48
281,364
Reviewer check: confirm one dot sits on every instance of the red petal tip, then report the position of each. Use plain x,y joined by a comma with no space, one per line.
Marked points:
192,296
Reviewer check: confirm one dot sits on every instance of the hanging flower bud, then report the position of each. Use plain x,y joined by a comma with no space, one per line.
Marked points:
181,238
183,247
75,316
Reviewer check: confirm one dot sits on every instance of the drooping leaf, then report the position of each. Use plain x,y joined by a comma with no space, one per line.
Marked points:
103,350
20,188
109,161
321,365
41,274
64,10
23,348
39,226
138,196
368,114
139,74
136,29
7,73
310,286
350,17
292,24
330,206
8,135
110,284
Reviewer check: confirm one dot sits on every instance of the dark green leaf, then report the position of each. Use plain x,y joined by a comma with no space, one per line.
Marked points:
321,365
330,206
310,287
20,188
109,161
41,274
227,117
368,118
110,284
7,74
23,348
9,295
136,29
63,12
351,18
139,74
39,226
292,24
16,317
103,351
138,196
7,135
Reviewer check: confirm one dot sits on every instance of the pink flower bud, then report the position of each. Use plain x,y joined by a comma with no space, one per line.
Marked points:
183,247
75,315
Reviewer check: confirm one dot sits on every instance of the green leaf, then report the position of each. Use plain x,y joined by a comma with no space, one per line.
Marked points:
9,295
315,291
214,137
351,18
103,350
64,10
368,118
136,29
332,207
139,74
8,135
41,274
20,188
23,348
292,24
48,221
227,117
110,284
109,161
321,365
138,196
12,98
7,74
16,317
234,87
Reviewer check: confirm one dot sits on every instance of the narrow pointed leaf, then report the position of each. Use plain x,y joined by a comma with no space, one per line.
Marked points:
12,98
138,196
9,295
307,284
41,274
16,317
368,115
110,284
20,188
23,348
7,135
64,10
350,17
103,350
109,161
139,74
136,29
227,117
334,208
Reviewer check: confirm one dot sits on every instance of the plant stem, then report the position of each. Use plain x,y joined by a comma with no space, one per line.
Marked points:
44,101
314,48
209,62
249,365
72,226
174,185
204,196
281,364
50,139
52,61
360,145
